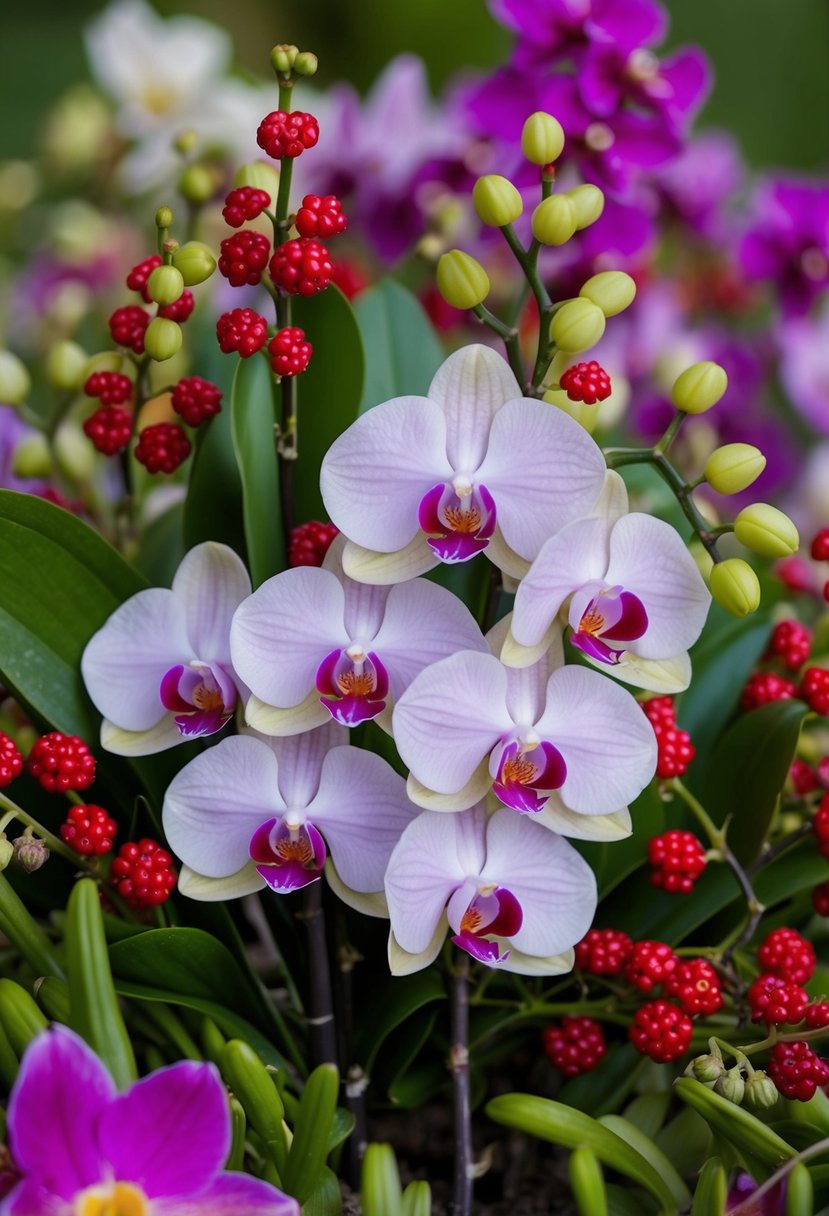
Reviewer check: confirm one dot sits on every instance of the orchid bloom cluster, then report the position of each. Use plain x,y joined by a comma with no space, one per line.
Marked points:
509,748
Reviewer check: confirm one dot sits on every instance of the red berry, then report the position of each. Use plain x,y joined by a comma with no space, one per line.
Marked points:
696,985
109,428
195,400
820,899
244,256
350,279
675,750
820,825
310,542
241,330
679,859
826,591
61,762
661,1030
587,382
765,687
650,964
290,353
137,277
776,1001
11,761
161,448
814,689
795,573
785,953
180,309
110,387
817,1015
796,1070
89,830
282,134
604,952
820,546
576,1046
143,874
128,326
321,216
301,267
245,203
792,642
803,777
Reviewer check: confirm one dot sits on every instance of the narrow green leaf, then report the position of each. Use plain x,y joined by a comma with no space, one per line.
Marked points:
686,1141
25,934
395,1002
598,1095
646,1148
9,1063
213,507
800,1192
341,1128
315,1117
252,428
22,1019
403,351
162,547
711,1190
587,1182
252,1084
416,1200
735,1123
380,1182
326,1199
648,1111
53,995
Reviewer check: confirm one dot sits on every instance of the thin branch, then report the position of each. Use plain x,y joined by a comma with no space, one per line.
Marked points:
459,1067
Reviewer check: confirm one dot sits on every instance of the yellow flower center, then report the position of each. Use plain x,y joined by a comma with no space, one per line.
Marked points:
158,97
115,1199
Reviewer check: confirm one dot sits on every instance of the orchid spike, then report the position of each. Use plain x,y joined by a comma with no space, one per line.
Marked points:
514,895
159,669
473,467
254,812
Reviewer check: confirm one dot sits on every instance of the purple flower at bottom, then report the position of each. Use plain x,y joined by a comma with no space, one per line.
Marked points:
156,1150
771,1203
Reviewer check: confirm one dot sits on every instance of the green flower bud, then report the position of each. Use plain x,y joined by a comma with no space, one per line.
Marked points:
542,138
198,183
195,261
283,57
162,339
585,415
734,467
185,142
761,1092
260,175
163,218
589,204
30,852
708,1068
75,455
765,530
15,381
462,281
554,220
577,325
103,361
496,200
306,64
32,457
699,387
735,586
165,285
612,290
65,364
6,851
731,1086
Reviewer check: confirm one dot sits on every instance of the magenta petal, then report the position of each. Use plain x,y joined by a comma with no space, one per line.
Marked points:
632,622
170,1133
260,843
171,698
202,722
28,1197
457,547
510,916
230,1194
290,876
520,797
325,681
381,677
479,948
427,512
596,648
351,711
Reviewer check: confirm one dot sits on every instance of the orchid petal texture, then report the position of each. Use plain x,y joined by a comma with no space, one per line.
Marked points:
159,670
439,473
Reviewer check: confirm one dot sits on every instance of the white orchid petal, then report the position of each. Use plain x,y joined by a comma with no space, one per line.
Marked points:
217,890
612,502
615,825
301,758
148,742
510,563
654,675
422,874
513,654
403,962
372,903
574,556
470,387
211,583
383,569
528,964
475,789
269,720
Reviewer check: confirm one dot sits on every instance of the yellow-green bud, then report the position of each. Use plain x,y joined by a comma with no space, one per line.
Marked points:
735,586
699,387
554,220
542,138
103,361
764,529
64,365
162,339
496,200
306,64
585,415
462,281
165,285
15,381
6,850
32,457
283,57
612,290
588,201
163,217
708,1068
734,467
731,1086
195,261
761,1092
185,142
259,174
577,325
74,454
198,183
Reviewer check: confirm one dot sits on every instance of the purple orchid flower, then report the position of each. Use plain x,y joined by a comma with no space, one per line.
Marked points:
311,643
700,183
740,1198
804,368
788,243
514,895
548,29
159,670
472,467
255,811
156,1150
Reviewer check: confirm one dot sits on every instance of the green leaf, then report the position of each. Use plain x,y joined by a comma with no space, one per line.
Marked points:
711,1190
328,392
587,1182
686,1141
645,1146
25,934
326,1199
380,1190
735,1123
402,349
252,429
312,1130
213,508
613,861
21,1018
247,1076
162,547
605,1089
394,1004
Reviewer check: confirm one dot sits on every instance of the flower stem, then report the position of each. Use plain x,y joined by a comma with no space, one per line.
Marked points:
750,1203
509,335
322,1027
56,845
459,1067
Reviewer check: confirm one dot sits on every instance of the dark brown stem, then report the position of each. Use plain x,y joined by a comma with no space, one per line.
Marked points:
459,1067
322,1027
773,851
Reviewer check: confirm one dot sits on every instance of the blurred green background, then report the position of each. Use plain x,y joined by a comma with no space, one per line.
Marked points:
771,57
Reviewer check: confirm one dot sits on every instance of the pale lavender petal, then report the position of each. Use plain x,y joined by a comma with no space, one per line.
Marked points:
230,1194
423,872
574,556
364,607
470,388
527,686
211,583
450,717
125,661
301,759
374,476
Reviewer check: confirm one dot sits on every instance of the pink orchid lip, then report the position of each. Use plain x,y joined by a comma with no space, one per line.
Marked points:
201,695
491,913
289,856
525,777
354,685
457,526
613,614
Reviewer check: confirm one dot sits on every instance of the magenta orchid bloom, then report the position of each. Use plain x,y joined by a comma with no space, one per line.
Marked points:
634,597
254,812
549,28
473,467
312,643
513,894
156,1150
159,670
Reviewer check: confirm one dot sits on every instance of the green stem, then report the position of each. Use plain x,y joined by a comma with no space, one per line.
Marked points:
56,845
509,336
527,260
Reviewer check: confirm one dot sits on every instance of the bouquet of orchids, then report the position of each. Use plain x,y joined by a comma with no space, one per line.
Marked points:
382,709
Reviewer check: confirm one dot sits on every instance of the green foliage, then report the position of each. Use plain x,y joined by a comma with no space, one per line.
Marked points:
402,350
252,429
312,1130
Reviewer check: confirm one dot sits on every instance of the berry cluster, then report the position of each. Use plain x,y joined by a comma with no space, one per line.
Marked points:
320,216
695,985
575,1046
785,953
245,203
776,1001
301,267
61,762
650,964
282,134
814,689
11,761
128,325
678,859
587,382
109,428
675,750
661,1031
791,642
796,1070
243,257
604,952
764,687
195,400
241,331
89,830
143,874
138,276
289,352
111,388
162,447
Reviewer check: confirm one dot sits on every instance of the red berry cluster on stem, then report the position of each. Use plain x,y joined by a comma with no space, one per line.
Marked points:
814,689
678,859
787,954
195,400
604,952
111,388
241,331
820,546
576,1046
161,448
675,750
89,830
61,762
796,1070
301,267
792,642
764,687
243,257
587,382
650,964
143,874
244,203
776,1001
282,134
11,761
128,325
109,428
138,276
320,215
661,1031
695,985
290,354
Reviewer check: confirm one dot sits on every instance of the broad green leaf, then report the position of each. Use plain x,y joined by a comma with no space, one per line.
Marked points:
393,1005
645,1146
612,862
252,427
380,1189
213,507
403,1049
326,1199
162,547
735,1123
403,351
598,1093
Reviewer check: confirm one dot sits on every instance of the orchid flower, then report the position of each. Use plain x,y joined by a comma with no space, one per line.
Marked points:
159,670
156,1150
311,643
634,597
514,895
469,723
473,467
254,812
